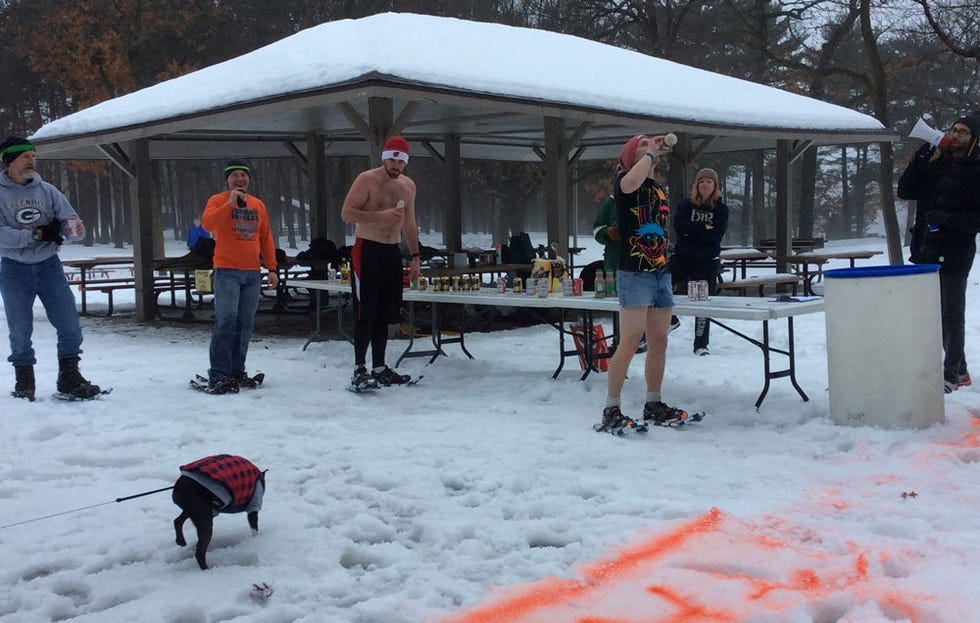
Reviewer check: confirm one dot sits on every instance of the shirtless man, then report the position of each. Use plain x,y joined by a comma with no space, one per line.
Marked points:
381,203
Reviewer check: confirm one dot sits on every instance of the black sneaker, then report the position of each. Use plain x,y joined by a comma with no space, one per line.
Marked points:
389,377
675,323
642,346
662,414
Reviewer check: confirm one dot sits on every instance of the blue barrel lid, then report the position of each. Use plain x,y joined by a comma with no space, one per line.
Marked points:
880,271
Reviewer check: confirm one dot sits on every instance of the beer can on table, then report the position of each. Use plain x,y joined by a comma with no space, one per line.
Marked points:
423,283
692,290
702,290
531,286
576,287
455,285
517,285
502,284
544,286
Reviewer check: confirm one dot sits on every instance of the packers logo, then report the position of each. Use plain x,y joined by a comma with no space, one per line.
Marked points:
27,216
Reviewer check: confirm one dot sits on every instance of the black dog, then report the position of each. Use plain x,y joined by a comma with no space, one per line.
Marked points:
222,483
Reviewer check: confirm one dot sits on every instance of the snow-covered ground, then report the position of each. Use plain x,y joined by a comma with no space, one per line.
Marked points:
482,494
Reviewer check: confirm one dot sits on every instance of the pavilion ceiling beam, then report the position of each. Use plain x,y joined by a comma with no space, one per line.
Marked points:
359,123
432,151
798,149
404,117
299,157
119,157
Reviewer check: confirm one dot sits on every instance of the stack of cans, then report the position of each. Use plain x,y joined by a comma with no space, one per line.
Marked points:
697,290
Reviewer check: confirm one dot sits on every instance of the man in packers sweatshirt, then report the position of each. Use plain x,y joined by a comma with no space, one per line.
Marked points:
243,240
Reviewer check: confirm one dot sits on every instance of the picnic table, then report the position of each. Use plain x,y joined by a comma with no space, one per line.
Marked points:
742,258
716,310
811,263
87,267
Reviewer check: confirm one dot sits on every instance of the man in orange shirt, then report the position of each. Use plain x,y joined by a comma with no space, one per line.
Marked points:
242,239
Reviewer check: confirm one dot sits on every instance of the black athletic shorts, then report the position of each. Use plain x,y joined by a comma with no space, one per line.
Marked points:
377,281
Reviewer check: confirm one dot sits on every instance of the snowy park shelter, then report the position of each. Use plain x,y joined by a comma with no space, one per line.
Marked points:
455,89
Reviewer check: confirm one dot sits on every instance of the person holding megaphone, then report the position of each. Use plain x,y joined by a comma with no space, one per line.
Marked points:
946,191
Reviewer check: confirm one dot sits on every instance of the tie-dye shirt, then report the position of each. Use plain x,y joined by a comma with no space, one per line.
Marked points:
643,218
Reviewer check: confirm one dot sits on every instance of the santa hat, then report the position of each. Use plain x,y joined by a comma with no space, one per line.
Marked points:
396,148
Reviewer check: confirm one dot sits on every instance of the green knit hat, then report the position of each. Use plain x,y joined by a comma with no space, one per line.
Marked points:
13,147
236,165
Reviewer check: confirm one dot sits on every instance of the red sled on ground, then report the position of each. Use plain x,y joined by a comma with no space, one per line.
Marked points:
600,349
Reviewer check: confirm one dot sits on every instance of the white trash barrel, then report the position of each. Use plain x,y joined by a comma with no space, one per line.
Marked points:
884,346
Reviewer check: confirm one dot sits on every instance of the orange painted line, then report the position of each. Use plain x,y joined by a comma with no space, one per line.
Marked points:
553,591
686,610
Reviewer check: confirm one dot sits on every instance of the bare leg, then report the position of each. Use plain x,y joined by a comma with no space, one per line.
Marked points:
657,328
632,323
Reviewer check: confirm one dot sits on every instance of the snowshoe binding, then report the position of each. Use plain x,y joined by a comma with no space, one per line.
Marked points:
388,377
361,381
661,414
615,423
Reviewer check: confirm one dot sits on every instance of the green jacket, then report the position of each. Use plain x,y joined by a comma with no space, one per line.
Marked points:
605,219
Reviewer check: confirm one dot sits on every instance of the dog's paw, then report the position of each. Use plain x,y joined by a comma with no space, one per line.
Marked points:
181,541
255,532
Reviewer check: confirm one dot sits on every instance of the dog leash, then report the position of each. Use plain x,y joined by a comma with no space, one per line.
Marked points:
75,510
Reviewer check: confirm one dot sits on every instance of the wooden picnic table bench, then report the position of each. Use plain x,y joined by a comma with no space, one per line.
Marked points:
761,281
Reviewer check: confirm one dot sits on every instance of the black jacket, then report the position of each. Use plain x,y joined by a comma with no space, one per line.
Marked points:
699,231
949,185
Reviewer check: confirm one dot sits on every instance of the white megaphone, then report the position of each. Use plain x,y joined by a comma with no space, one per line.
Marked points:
936,138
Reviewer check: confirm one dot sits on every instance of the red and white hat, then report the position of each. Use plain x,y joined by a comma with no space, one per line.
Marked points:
396,148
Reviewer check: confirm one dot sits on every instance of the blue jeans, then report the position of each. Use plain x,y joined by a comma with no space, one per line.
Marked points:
236,297
20,284
652,289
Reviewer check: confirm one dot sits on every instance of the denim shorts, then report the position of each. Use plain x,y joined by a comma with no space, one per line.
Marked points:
651,289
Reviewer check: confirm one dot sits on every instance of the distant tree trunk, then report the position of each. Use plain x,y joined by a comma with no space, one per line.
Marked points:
103,184
879,99
747,203
760,213
847,207
808,182
120,193
288,207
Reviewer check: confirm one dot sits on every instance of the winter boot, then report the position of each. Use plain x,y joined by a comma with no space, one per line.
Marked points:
24,383
72,383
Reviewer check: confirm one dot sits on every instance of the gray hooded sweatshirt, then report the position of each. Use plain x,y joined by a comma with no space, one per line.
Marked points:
22,208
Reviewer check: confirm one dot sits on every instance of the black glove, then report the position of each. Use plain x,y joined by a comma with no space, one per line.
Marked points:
937,217
49,233
925,152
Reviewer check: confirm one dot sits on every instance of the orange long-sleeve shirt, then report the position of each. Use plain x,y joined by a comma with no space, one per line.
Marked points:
240,234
